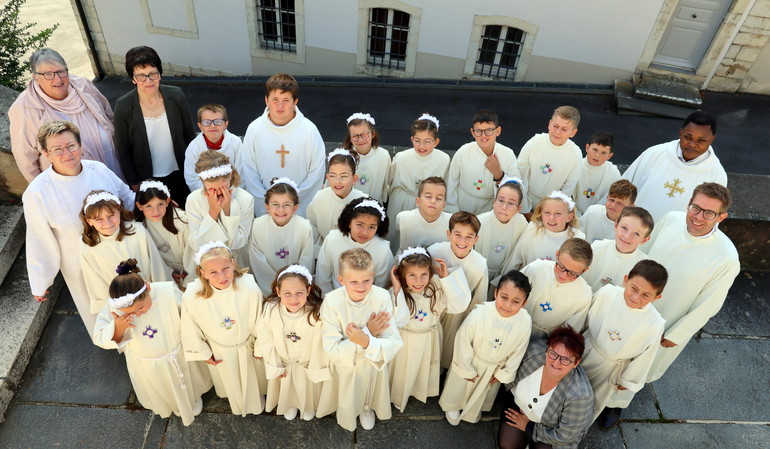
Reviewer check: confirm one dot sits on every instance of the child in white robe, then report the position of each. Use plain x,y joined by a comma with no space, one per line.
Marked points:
614,258
281,237
374,162
427,224
422,291
551,161
167,226
220,210
289,338
220,310
598,222
462,234
327,204
359,359
597,173
502,227
622,333
109,237
488,350
143,320
478,166
553,222
559,293
362,224
410,167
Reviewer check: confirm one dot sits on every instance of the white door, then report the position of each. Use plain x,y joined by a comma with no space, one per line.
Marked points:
689,33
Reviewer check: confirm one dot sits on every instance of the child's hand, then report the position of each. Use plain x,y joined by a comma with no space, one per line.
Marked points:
122,323
178,277
357,336
441,269
666,343
394,282
493,380
42,298
493,165
378,322
622,388
214,206
212,361
225,196
473,379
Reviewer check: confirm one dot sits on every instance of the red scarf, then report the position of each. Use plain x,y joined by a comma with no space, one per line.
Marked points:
214,146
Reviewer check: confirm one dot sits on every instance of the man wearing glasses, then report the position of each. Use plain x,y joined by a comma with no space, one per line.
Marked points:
666,174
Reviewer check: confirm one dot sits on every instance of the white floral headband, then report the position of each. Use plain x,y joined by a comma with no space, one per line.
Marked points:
361,116
101,196
412,250
298,269
216,172
373,204
208,247
286,181
430,118
339,151
556,194
146,185
127,299
506,179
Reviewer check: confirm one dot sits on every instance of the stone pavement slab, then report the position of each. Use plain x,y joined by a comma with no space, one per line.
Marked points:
643,405
719,379
403,433
67,368
597,438
37,426
747,308
227,431
65,303
696,436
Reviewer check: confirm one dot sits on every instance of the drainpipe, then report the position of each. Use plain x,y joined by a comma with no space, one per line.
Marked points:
90,39
729,42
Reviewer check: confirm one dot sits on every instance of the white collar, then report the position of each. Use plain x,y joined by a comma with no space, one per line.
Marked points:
695,161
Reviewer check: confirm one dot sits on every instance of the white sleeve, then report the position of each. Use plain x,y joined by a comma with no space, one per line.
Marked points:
43,255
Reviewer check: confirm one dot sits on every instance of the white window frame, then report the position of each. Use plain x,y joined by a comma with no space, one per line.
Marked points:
479,22
362,57
255,42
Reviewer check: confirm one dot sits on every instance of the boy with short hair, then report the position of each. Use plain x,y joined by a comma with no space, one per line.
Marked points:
427,224
596,171
551,161
213,122
623,332
463,233
478,166
559,294
598,222
613,258
283,143
352,348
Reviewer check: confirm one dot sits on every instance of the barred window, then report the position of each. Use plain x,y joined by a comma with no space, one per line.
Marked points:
277,25
499,51
388,35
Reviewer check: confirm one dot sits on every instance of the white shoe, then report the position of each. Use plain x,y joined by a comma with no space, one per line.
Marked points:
308,415
367,420
198,407
453,417
291,413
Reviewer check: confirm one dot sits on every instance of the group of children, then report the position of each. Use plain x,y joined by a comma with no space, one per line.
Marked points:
315,315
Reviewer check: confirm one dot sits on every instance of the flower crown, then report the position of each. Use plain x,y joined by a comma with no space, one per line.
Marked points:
286,181
216,172
361,116
127,299
297,269
101,196
429,118
412,250
374,205
557,194
206,247
146,185
339,151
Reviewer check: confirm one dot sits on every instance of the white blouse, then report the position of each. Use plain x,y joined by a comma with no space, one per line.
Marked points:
161,146
528,398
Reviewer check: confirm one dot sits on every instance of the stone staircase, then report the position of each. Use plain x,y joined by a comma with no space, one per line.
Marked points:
22,319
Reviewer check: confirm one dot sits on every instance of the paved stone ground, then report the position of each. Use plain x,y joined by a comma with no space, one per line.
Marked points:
74,394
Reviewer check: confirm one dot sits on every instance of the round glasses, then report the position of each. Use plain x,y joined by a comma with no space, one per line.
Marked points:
142,77
563,359
362,136
707,214
215,122
560,266
485,132
70,148
51,75
505,204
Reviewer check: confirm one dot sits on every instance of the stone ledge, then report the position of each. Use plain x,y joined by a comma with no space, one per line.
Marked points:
12,234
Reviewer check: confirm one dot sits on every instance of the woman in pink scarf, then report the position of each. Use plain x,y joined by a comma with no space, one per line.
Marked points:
52,95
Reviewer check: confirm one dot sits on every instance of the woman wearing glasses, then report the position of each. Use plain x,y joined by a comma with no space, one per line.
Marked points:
153,126
551,405
54,94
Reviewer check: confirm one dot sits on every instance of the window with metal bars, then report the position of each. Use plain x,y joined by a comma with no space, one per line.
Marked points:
499,51
277,25
388,35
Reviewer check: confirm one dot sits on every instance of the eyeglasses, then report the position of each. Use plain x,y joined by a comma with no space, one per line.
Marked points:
707,214
277,206
362,136
142,77
50,75
563,359
71,148
341,178
486,132
506,204
560,266
215,122
428,142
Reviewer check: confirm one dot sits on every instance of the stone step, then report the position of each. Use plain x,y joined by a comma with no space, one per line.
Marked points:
630,104
12,234
22,320
667,89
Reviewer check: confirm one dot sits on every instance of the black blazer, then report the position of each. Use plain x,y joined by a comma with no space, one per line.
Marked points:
131,135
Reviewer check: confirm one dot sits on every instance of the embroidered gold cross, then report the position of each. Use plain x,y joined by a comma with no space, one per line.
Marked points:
283,154
674,188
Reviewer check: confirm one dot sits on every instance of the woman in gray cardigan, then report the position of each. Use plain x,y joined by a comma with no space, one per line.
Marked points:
550,404
153,126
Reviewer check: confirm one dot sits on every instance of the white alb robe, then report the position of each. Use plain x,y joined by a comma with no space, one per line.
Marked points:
52,204
609,265
327,267
224,326
372,173
360,376
497,241
231,147
325,208
406,172
413,229
173,248
537,242
545,167
593,184
163,380
595,224
267,145
487,345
